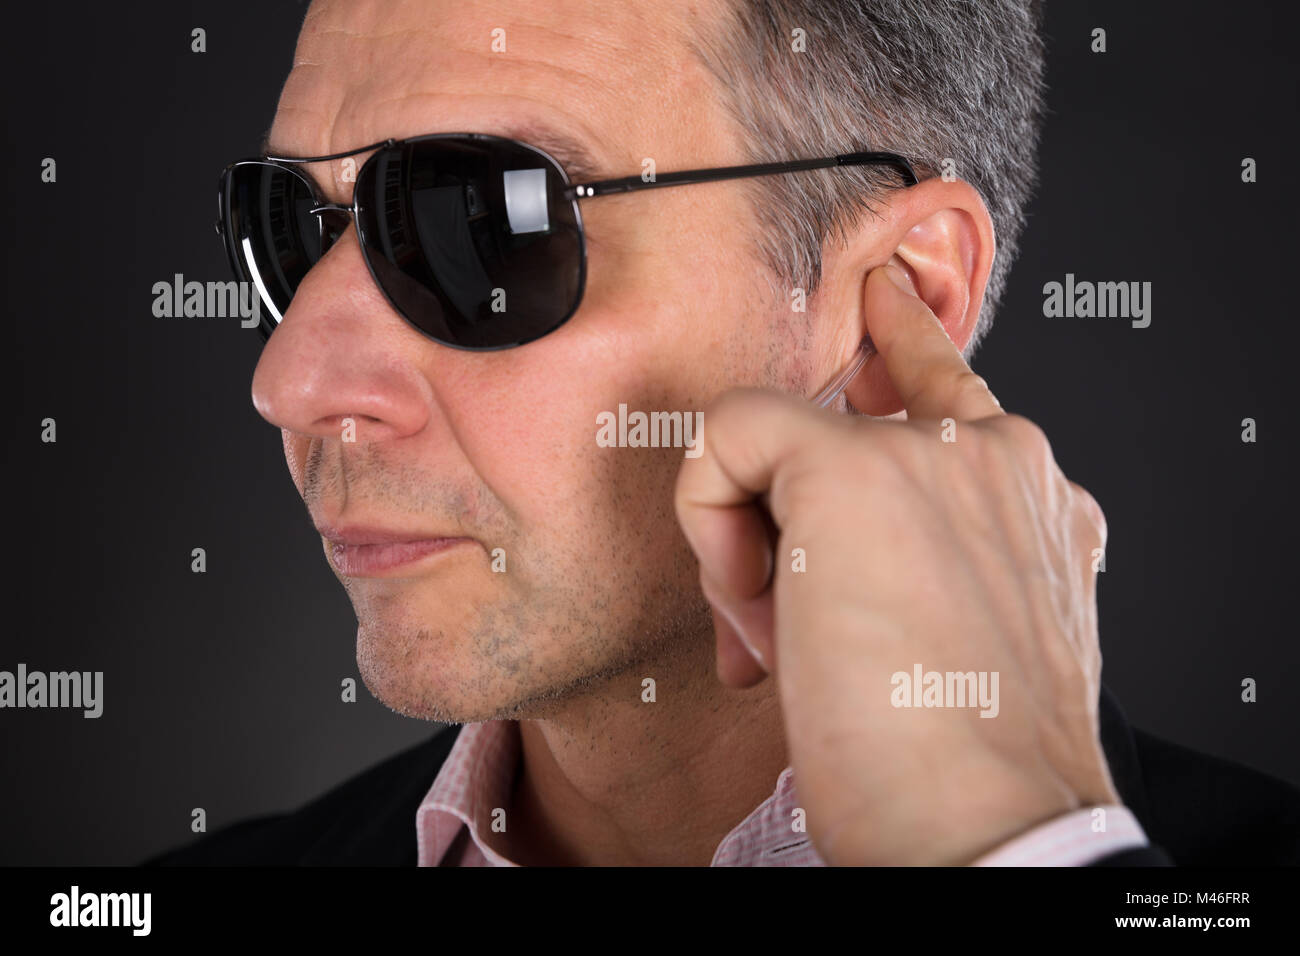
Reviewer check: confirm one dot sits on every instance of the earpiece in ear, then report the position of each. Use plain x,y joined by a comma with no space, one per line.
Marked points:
827,395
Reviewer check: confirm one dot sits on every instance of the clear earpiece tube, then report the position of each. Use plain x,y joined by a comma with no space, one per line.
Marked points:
827,395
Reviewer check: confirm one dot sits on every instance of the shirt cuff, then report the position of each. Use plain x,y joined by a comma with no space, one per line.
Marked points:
1073,839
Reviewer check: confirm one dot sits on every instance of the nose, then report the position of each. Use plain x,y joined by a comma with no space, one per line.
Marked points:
341,353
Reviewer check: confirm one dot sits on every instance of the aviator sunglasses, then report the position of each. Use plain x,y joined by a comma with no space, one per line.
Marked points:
475,240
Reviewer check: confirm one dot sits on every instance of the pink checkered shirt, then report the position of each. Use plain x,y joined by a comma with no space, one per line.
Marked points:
478,776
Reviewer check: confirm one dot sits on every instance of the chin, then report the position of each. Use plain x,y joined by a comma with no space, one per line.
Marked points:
436,674
420,674
472,653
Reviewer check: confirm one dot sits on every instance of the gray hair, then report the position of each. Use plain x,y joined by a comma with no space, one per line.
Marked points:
928,79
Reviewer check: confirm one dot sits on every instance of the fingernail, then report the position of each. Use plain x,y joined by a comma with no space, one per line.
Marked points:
740,633
753,651
719,608
900,278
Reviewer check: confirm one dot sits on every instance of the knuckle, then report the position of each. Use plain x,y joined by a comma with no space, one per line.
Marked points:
983,455
970,382
1091,510
1027,436
739,401
1031,450
965,388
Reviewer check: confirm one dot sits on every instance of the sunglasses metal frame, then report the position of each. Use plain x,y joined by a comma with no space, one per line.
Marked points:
573,192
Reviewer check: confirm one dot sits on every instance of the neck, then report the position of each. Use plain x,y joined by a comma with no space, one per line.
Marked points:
611,779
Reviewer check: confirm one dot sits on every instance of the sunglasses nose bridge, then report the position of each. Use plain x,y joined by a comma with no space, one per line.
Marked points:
322,208
334,220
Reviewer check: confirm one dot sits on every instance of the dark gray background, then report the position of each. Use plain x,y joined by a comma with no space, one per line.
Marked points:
222,689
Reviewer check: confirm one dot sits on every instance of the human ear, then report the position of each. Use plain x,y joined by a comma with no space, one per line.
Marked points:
943,240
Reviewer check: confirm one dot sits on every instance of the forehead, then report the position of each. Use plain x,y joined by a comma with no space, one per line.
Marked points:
614,76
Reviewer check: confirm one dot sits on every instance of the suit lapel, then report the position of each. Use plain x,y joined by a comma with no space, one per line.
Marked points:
1121,754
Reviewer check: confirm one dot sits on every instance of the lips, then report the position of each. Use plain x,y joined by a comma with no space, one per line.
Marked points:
373,552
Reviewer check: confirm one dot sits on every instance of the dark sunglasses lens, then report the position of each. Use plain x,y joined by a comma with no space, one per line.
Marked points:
471,239
270,235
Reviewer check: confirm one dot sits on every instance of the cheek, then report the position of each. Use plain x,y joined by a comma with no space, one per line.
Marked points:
531,431
296,448
652,335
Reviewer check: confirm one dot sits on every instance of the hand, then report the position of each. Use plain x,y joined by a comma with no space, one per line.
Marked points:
971,554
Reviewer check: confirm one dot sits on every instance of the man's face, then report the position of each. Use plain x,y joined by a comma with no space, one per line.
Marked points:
500,447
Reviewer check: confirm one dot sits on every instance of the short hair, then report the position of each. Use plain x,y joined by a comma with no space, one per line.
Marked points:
928,79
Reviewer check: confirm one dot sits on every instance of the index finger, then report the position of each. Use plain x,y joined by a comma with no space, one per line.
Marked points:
924,365
751,436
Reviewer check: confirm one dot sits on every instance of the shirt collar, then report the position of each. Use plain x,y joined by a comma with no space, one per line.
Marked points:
479,774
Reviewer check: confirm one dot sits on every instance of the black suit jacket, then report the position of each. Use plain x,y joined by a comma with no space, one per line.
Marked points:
1196,809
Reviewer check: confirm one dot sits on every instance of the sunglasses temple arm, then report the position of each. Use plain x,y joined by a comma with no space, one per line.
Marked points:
691,176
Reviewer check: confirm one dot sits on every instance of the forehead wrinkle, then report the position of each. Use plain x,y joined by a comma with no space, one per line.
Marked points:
353,100
614,57
612,35
546,121
347,117
601,58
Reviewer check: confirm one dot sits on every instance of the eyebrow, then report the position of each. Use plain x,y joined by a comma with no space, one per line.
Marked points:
576,159
578,162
